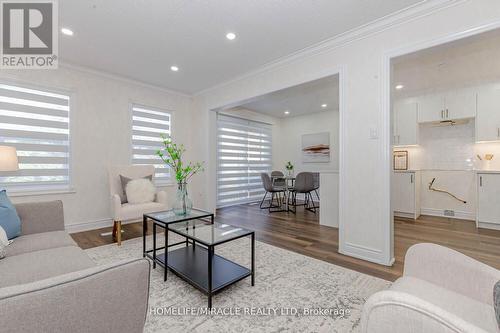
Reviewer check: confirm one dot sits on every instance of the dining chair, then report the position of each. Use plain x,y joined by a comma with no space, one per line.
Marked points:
278,178
304,183
275,191
316,183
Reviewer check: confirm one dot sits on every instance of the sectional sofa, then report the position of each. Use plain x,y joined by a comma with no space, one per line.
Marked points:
49,284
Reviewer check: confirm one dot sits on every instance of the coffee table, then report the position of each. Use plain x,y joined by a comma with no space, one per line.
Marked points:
196,261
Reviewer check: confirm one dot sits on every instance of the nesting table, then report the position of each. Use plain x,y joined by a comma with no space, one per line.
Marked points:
196,262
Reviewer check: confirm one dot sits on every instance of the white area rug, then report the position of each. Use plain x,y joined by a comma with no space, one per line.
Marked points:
284,281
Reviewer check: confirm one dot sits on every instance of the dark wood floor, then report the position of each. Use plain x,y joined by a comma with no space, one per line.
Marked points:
301,233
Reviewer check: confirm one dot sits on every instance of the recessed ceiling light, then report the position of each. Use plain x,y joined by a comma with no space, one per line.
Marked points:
231,35
399,87
174,68
287,112
324,105
67,32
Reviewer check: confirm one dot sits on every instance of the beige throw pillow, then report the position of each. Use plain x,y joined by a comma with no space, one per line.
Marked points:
140,191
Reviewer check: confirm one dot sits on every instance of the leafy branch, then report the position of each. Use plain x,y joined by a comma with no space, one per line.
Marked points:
171,154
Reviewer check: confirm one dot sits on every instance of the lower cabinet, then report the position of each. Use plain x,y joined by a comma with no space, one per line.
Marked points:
488,200
405,194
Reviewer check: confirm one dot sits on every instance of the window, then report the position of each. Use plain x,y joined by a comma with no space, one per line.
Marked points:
36,123
244,152
147,126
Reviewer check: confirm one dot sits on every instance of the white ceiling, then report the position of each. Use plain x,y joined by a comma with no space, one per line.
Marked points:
466,62
299,100
141,39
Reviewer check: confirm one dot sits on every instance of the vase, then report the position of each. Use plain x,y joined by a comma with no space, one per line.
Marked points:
290,173
183,204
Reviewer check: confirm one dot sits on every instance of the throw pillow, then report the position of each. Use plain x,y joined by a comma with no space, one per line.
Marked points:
9,220
125,180
496,301
4,241
140,191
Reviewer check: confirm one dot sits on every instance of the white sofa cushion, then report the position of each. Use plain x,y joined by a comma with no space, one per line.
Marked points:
140,191
480,314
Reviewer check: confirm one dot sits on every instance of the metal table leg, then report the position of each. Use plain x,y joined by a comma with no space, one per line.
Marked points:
154,245
253,259
144,224
166,255
210,255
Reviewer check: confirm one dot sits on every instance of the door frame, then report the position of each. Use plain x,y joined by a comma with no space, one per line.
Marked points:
339,70
386,112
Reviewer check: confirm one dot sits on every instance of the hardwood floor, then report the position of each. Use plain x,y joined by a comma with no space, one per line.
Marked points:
301,233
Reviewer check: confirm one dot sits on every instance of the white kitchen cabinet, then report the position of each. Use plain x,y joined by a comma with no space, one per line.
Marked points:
405,124
405,194
451,105
488,201
431,108
488,115
460,104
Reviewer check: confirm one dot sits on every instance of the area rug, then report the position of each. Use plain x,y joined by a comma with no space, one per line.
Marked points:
292,293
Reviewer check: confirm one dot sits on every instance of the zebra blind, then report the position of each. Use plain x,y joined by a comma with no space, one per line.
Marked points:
36,123
244,152
147,126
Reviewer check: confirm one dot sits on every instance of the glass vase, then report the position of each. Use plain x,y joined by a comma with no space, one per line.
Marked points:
182,204
290,173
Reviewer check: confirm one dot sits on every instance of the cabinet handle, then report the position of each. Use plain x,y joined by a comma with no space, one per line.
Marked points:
442,114
411,179
498,132
480,180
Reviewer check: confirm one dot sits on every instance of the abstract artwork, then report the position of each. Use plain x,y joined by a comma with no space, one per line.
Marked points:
316,148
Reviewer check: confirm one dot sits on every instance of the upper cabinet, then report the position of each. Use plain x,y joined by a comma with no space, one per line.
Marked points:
488,115
453,105
405,126
431,108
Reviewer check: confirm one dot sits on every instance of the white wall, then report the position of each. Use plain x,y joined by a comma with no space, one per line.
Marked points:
365,219
100,134
287,141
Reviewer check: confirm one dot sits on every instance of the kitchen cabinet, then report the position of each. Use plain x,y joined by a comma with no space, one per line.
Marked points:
452,105
488,115
488,200
405,194
405,125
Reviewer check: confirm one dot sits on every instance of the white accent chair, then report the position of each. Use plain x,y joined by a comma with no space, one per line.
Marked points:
126,211
441,290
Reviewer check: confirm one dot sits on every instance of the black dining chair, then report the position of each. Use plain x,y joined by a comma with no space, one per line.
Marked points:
276,192
304,183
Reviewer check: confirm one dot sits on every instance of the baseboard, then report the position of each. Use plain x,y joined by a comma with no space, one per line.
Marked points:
440,212
89,225
486,225
365,253
94,224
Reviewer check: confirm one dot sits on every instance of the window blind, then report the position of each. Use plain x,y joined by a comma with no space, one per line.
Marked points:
244,151
147,126
36,123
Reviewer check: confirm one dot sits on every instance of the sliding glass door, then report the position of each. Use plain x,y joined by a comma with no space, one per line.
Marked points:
244,151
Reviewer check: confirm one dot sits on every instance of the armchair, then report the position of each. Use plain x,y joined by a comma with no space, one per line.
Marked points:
441,290
122,212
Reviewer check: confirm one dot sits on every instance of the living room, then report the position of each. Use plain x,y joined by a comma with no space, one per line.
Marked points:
78,134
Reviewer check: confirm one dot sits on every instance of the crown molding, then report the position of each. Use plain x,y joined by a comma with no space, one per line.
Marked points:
419,10
121,78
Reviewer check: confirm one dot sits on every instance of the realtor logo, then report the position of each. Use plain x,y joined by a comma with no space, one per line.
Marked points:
29,34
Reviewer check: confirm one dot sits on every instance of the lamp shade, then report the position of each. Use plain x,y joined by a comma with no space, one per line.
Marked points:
8,159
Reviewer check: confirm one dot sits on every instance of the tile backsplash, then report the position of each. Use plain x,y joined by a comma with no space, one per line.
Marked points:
451,148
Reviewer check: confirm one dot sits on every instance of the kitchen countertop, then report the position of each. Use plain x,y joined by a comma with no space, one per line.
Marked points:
487,171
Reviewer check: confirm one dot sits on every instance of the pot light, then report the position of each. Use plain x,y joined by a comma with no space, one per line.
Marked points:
399,87
287,112
174,68
67,32
324,105
231,35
